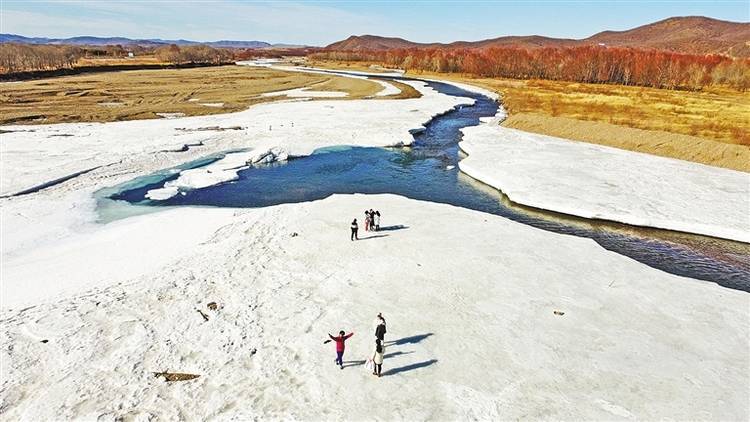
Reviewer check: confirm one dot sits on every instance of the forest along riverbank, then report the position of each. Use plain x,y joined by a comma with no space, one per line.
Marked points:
428,170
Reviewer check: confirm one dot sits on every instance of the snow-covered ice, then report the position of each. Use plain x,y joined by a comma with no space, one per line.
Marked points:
473,329
595,181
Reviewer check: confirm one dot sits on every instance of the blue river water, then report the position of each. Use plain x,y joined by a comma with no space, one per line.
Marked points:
428,171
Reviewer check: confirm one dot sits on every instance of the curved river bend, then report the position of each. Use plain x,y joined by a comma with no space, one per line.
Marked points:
428,171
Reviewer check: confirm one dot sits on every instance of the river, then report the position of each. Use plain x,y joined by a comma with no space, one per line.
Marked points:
428,171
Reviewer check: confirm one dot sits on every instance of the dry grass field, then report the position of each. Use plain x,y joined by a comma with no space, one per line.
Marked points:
356,66
665,144
140,94
719,114
710,127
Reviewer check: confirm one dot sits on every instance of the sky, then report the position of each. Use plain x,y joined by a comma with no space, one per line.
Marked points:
324,22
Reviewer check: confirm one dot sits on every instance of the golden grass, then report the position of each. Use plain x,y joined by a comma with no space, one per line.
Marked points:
357,66
714,114
140,94
710,127
665,144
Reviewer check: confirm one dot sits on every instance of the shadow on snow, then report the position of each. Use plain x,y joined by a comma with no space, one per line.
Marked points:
409,340
411,367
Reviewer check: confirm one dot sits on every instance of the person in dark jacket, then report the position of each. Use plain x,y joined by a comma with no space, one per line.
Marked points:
340,346
380,327
372,220
355,228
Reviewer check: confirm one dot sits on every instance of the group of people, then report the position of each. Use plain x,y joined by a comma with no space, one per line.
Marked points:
372,223
378,353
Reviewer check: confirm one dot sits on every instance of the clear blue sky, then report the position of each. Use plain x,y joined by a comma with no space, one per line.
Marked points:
323,22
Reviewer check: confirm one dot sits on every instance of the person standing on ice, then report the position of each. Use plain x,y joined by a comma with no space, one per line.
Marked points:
367,220
340,347
377,357
377,221
372,219
380,327
355,228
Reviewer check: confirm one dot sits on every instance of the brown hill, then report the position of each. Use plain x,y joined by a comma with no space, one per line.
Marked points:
690,34
528,41
374,42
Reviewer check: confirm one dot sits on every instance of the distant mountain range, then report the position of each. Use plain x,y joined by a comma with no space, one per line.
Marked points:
690,34
155,42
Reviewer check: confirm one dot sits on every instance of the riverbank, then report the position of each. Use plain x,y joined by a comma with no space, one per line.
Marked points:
557,327
703,127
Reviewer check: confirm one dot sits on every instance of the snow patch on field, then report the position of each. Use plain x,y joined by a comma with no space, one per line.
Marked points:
306,93
171,115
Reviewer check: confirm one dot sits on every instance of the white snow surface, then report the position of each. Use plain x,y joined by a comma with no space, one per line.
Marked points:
472,330
388,88
223,170
171,115
305,93
595,181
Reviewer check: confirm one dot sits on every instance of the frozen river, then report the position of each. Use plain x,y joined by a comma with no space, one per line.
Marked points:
428,171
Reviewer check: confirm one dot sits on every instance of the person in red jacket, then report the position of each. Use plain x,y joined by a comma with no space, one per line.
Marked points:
340,346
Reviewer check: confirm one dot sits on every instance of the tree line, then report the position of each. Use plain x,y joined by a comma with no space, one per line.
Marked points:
24,57
590,64
193,54
16,58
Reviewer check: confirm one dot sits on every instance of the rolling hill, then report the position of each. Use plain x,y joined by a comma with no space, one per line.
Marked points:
101,41
690,34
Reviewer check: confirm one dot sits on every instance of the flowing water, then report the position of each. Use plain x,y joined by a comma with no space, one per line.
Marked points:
428,171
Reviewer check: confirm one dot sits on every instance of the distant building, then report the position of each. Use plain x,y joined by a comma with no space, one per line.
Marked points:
130,54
